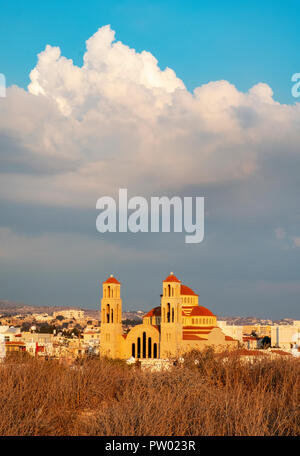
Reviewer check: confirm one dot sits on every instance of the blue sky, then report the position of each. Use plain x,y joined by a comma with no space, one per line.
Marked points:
242,42
221,124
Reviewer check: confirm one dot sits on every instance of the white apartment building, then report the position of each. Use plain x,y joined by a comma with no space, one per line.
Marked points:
38,343
234,331
9,333
69,314
2,347
42,317
284,336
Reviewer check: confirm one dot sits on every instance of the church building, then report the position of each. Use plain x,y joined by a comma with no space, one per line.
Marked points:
175,327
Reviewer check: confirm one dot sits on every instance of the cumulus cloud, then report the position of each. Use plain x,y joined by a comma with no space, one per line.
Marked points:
80,132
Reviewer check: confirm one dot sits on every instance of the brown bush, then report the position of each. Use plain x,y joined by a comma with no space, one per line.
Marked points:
219,395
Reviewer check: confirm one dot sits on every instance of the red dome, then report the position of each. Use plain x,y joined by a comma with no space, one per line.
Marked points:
171,278
184,290
112,279
156,312
200,311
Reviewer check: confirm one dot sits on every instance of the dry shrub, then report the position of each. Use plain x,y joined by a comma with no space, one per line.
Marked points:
217,395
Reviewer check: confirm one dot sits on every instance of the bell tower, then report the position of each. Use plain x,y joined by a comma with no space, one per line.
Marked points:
171,317
111,319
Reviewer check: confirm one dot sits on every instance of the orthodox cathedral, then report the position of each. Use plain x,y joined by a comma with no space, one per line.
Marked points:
175,327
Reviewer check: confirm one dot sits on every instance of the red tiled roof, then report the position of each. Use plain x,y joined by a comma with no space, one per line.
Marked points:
197,311
280,352
155,312
189,311
171,278
184,290
229,338
112,279
245,352
14,343
199,328
245,338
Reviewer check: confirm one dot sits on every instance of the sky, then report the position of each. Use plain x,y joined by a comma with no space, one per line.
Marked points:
162,98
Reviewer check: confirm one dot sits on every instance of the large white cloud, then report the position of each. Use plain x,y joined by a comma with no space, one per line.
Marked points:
121,121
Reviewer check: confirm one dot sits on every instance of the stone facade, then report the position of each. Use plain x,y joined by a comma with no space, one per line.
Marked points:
175,327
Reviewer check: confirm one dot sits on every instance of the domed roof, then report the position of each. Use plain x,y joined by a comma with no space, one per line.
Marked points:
156,312
201,311
112,279
184,290
171,278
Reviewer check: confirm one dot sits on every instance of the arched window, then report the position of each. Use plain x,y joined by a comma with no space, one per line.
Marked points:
108,290
107,313
155,351
133,350
168,313
139,347
173,314
144,345
149,347
169,289
112,315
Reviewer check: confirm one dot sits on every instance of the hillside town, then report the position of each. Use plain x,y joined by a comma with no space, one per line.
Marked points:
71,334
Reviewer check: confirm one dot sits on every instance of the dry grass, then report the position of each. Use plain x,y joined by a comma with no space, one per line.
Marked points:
214,397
